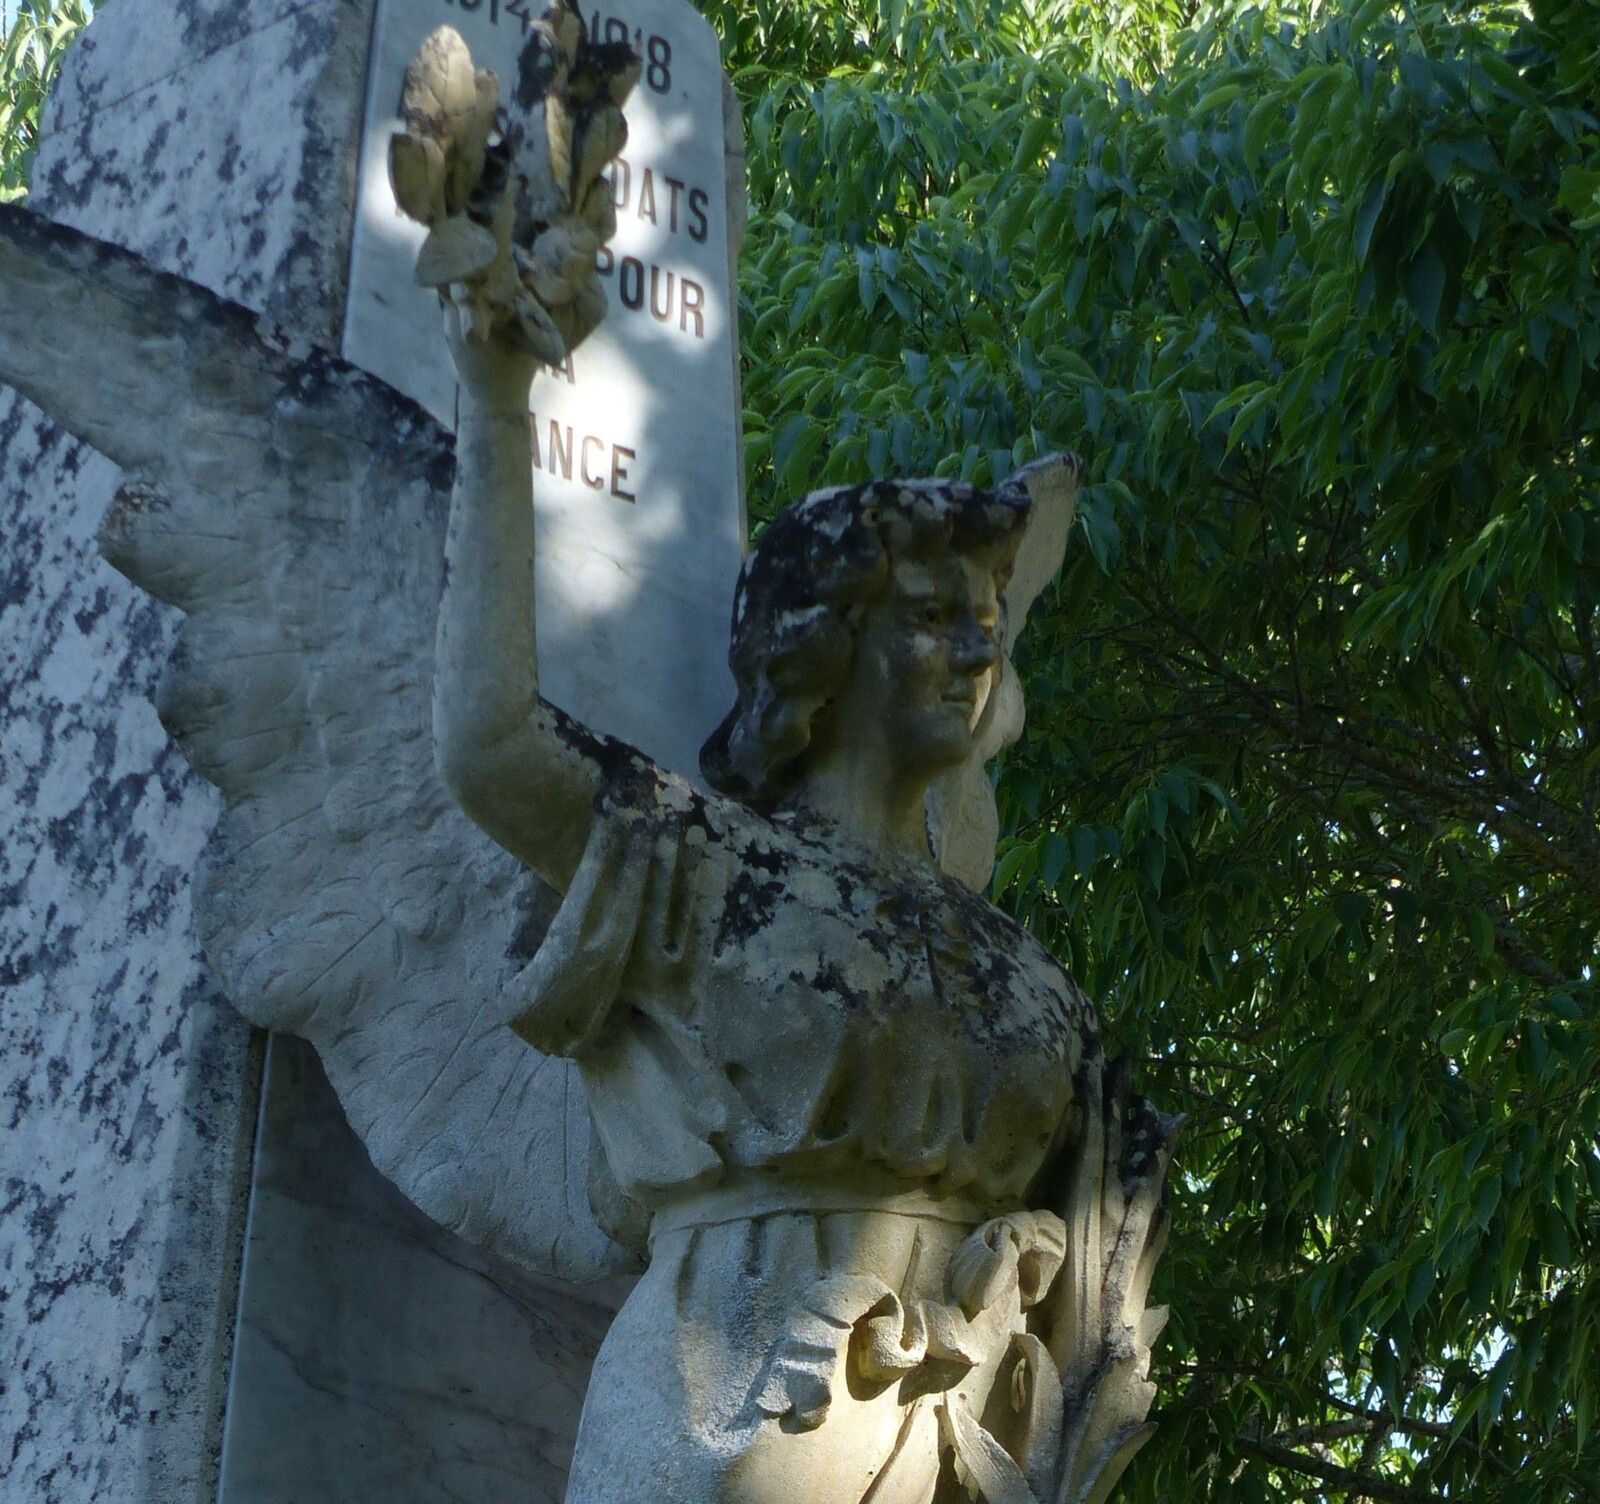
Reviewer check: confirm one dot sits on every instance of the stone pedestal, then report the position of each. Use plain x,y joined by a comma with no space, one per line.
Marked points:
378,1357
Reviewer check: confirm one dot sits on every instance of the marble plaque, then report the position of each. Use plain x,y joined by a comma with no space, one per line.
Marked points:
641,524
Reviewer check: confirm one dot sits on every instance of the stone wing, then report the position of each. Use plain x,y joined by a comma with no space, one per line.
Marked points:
963,823
294,508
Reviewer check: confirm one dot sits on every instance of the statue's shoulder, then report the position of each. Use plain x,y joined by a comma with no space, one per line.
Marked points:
999,954
634,790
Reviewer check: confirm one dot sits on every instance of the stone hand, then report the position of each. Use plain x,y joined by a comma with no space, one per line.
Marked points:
515,199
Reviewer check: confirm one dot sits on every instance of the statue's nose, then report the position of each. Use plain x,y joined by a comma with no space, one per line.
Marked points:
974,650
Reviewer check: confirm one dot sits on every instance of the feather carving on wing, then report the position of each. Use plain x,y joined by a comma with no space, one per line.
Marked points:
294,508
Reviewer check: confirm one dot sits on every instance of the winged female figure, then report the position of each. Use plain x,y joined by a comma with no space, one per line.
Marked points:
895,1213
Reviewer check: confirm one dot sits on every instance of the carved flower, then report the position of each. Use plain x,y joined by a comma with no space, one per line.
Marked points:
437,161
513,232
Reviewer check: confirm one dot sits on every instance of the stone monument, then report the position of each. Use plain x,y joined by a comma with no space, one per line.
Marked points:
755,1035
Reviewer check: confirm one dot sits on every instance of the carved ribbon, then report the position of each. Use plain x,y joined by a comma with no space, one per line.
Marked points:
857,1319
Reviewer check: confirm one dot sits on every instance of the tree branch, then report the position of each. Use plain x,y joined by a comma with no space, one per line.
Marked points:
1335,1476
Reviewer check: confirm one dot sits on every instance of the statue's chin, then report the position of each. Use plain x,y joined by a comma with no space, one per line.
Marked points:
943,741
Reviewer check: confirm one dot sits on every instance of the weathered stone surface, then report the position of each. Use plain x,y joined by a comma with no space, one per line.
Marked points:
466,1388
899,1220
296,515
126,1079
218,140
249,419
899,1223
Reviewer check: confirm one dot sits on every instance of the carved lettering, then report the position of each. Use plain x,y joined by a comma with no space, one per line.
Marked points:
560,450
630,282
654,50
674,297
602,465
660,305
687,207
619,471
693,301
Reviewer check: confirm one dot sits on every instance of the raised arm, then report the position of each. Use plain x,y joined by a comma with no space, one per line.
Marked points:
515,267
499,749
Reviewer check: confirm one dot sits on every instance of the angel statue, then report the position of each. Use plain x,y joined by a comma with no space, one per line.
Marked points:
896,1213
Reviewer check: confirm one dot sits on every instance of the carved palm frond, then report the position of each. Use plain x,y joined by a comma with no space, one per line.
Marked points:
513,193
1102,1330
1068,1416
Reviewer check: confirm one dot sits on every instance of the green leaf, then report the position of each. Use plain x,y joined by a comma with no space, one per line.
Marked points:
1425,283
1217,98
1367,217
1419,1286
1056,851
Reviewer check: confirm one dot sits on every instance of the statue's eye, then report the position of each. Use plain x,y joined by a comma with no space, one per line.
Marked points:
930,614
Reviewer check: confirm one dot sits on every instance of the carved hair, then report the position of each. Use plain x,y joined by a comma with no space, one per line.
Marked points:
800,600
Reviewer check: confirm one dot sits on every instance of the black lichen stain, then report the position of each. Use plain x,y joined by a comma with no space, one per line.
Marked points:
748,908
830,981
536,67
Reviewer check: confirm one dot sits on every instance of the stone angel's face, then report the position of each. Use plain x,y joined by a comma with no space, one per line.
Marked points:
929,654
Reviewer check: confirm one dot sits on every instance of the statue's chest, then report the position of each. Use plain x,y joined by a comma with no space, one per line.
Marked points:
846,944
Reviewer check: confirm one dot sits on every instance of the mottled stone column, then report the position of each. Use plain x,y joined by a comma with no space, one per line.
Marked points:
217,140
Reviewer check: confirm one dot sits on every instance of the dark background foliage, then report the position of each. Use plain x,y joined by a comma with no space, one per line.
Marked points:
1309,790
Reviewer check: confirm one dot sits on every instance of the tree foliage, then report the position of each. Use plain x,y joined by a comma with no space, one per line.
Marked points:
1308,797
32,39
